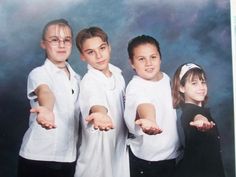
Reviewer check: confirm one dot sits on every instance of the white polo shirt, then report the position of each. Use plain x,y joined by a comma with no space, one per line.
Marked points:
103,154
57,144
152,147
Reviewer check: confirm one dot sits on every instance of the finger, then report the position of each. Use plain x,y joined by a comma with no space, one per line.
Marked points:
34,110
138,122
89,118
212,123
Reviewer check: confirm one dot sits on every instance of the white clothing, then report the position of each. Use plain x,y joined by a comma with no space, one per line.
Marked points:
57,144
103,154
152,147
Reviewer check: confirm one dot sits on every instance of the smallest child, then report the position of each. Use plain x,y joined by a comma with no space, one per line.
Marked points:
202,156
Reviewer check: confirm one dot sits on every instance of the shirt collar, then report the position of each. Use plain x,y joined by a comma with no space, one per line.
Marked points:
52,67
112,68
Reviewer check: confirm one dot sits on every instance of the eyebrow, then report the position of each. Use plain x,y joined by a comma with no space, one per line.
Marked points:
104,43
59,36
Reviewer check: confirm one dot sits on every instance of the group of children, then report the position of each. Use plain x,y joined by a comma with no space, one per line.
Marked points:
135,136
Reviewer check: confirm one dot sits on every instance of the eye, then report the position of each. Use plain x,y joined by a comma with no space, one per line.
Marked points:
103,47
203,82
153,57
141,59
54,39
193,82
90,52
67,40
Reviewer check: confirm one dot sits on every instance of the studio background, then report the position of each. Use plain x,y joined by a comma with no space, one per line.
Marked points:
188,31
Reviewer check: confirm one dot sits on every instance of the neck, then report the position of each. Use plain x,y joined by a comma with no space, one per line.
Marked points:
62,67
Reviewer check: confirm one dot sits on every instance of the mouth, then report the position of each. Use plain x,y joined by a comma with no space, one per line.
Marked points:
149,70
201,94
61,52
101,62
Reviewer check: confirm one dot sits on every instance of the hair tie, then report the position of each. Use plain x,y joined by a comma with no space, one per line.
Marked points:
185,68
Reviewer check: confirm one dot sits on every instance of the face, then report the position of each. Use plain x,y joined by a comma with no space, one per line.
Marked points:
195,90
147,61
57,43
96,53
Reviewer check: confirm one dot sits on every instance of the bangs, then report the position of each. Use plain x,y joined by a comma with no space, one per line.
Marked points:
196,73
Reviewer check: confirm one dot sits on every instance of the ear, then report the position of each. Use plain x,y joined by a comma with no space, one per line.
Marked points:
42,44
181,89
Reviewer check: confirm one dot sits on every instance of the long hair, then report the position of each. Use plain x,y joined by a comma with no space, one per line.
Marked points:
177,82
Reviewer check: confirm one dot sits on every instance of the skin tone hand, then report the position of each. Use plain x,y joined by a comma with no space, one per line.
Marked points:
148,126
46,100
202,123
45,117
100,119
147,119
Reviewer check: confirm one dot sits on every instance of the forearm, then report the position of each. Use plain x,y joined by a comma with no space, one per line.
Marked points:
146,119
146,111
98,109
45,97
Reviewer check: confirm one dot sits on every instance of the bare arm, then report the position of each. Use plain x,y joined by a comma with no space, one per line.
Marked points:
146,119
46,101
99,118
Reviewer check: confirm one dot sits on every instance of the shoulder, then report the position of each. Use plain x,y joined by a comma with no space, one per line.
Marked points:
115,69
192,110
136,85
38,71
165,77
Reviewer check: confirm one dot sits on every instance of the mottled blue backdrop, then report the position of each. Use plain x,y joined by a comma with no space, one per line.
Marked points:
188,30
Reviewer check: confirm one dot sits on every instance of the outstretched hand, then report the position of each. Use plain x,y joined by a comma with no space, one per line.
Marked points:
100,121
45,117
148,126
202,123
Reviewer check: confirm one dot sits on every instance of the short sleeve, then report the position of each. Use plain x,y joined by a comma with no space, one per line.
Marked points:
91,94
135,95
36,78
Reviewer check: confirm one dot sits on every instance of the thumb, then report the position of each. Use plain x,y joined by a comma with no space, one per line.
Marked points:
89,118
138,122
192,123
34,110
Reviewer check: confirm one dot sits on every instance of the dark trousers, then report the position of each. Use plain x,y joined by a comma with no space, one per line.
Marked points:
33,168
143,168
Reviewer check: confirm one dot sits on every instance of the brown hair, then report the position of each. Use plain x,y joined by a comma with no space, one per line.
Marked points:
88,33
178,97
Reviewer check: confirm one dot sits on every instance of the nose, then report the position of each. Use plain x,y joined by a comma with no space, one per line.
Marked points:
202,85
61,43
98,54
148,62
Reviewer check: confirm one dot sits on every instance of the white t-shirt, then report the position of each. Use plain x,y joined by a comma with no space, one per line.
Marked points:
103,154
57,144
152,147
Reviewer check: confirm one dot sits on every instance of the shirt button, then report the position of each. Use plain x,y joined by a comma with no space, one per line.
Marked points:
218,137
141,172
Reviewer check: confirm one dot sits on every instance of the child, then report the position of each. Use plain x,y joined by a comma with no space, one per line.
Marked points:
53,90
149,113
202,156
103,150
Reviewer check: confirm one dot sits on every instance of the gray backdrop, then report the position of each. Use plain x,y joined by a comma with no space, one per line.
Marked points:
188,31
